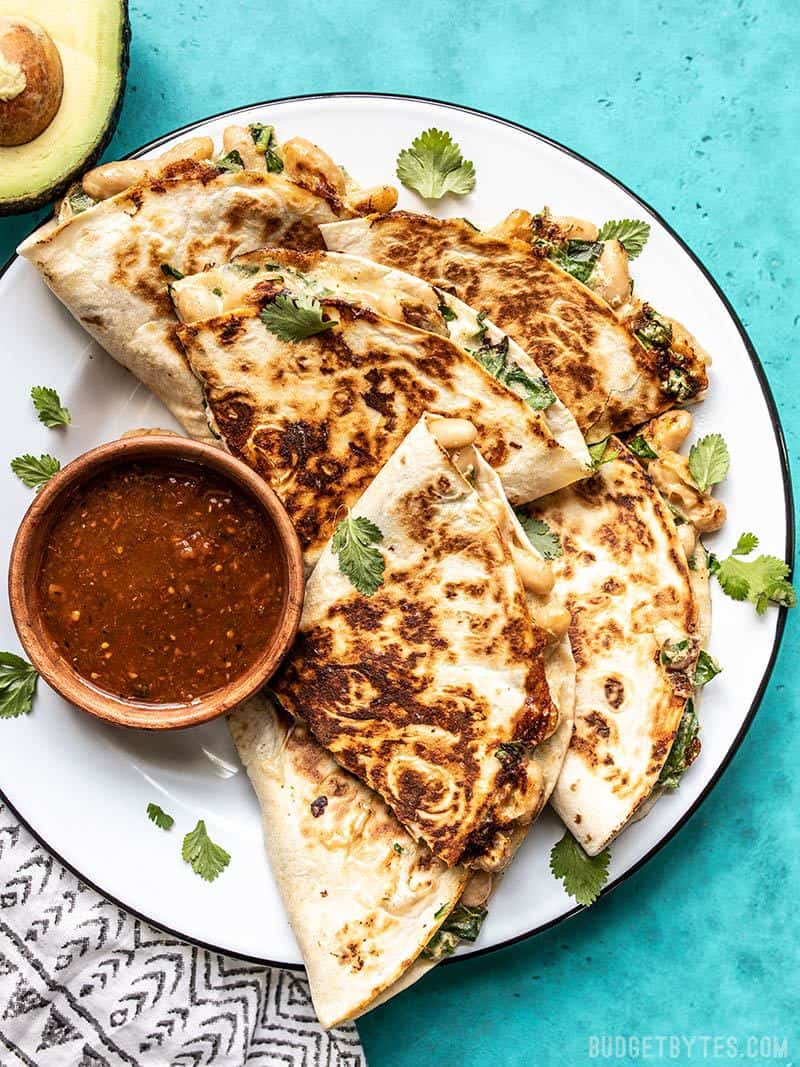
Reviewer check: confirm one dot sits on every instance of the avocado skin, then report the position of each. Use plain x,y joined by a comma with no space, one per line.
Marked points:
20,205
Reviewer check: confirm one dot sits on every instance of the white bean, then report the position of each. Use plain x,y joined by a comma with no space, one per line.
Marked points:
535,573
197,148
239,138
195,302
575,229
307,165
453,434
378,199
112,178
551,617
612,279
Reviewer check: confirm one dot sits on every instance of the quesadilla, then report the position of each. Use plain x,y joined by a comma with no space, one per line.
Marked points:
611,377
636,634
112,262
561,455
417,664
318,416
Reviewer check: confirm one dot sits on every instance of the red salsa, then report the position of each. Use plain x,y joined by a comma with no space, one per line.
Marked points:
161,582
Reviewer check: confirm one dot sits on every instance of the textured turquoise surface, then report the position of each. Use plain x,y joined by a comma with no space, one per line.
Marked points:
693,105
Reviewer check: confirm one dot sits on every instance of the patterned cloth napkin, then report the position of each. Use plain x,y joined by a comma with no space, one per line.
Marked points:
85,984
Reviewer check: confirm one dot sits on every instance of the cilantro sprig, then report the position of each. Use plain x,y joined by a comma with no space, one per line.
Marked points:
434,166
354,541
632,234
762,581
17,685
49,408
156,814
207,859
541,537
294,320
709,461
33,471
583,876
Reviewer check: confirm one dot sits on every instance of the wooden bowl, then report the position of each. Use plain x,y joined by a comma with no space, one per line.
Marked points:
26,557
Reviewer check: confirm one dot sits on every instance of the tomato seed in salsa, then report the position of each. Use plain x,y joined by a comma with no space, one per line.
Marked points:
161,582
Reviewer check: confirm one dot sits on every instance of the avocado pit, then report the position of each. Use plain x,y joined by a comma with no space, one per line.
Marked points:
31,80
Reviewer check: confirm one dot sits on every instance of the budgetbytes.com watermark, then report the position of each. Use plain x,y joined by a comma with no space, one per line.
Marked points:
767,1048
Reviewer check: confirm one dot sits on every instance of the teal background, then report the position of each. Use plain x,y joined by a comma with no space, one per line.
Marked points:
694,106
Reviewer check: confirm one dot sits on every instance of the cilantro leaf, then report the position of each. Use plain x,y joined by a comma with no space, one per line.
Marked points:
17,685
540,535
434,166
578,258
495,359
294,320
230,162
171,272
157,815
641,448
762,580
447,312
706,670
632,234
601,452
685,749
48,406
583,876
35,472
354,541
745,545
709,461
207,859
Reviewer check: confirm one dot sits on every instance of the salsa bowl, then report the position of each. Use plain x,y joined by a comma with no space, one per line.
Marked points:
166,616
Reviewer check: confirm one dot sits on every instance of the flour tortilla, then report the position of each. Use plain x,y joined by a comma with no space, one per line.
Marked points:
561,457
417,688
105,264
319,417
625,579
360,908
608,380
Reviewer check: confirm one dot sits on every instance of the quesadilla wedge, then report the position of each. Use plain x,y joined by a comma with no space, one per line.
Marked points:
111,262
562,456
417,664
318,416
636,634
610,377
363,898
372,910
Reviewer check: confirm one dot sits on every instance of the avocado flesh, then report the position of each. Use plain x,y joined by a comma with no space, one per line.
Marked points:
94,55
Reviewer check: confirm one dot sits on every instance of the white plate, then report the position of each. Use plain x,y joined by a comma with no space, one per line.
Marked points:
83,787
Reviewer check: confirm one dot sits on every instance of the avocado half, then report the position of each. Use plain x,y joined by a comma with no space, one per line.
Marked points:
92,45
